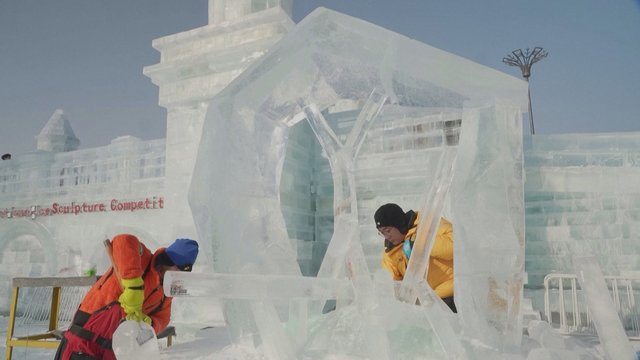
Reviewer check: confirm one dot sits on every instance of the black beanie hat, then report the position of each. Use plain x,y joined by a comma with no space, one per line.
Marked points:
391,215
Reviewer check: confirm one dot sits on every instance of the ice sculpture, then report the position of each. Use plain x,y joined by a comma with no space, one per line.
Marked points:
404,93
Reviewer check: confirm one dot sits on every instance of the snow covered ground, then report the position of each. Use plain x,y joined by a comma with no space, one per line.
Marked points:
192,342
212,343
206,339
205,344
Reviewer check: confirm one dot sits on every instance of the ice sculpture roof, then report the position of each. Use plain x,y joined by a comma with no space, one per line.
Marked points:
345,57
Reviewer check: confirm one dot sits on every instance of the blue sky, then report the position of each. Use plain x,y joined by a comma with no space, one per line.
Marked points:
86,57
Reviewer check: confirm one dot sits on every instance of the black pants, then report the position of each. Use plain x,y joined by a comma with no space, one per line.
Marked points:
74,356
450,303
60,350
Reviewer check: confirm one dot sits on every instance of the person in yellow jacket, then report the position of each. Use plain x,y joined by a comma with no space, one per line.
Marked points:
399,230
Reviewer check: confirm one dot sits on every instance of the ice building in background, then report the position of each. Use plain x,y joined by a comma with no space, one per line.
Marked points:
582,196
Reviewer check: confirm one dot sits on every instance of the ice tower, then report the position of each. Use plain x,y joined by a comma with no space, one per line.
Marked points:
404,105
57,135
195,65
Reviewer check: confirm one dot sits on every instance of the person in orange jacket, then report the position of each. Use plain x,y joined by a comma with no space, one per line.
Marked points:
131,291
399,230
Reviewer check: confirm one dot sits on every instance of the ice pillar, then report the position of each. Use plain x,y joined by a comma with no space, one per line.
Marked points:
610,331
345,243
345,239
488,213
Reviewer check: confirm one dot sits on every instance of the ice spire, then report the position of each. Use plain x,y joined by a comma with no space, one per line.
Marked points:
232,10
57,134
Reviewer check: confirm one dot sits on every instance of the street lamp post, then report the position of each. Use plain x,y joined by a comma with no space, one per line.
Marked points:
524,60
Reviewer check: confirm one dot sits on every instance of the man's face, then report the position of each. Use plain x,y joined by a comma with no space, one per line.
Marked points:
392,234
164,268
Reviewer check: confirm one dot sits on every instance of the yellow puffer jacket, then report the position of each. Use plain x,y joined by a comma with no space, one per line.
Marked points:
440,274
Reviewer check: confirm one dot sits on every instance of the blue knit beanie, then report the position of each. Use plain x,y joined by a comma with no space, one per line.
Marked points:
183,253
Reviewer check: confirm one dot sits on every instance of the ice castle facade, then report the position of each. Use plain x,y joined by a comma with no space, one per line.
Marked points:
565,194
582,196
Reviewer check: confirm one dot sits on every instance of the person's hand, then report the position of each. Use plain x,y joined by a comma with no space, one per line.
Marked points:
132,298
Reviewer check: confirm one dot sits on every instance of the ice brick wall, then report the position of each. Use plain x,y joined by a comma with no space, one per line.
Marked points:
42,176
582,195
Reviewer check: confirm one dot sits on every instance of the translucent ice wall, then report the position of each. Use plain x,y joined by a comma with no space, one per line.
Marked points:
402,95
582,197
488,207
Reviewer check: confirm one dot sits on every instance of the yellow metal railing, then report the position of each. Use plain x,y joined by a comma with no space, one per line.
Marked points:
47,340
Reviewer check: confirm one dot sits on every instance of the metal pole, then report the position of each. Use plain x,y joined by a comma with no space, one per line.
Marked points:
524,60
533,131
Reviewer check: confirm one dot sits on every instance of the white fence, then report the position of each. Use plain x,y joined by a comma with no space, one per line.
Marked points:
566,310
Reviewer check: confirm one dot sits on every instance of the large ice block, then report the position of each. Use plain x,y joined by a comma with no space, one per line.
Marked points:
488,207
252,287
432,207
404,102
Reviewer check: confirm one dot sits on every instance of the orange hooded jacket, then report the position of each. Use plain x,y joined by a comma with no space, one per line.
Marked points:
133,260
440,273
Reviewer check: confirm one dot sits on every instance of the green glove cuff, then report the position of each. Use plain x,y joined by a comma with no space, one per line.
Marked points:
132,298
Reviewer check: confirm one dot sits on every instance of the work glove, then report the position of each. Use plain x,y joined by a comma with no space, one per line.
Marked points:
132,298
